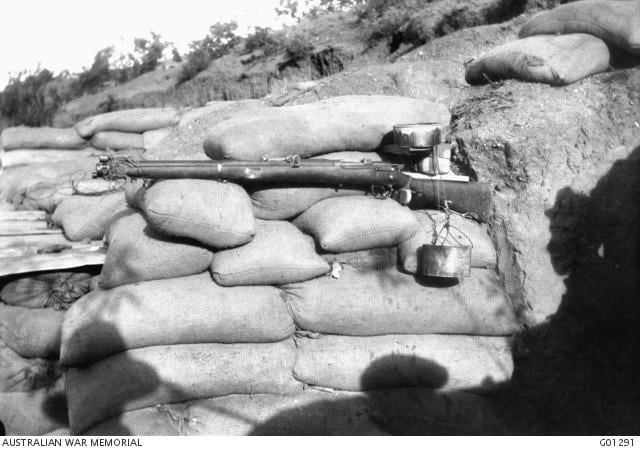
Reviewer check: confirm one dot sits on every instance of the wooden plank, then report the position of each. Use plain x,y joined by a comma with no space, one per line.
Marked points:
22,229
29,250
443,177
33,240
10,216
37,156
56,261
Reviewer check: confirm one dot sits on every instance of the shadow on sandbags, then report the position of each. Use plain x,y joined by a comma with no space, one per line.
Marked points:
88,406
400,396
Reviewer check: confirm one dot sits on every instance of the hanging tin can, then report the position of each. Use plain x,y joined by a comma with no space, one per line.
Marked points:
443,259
447,261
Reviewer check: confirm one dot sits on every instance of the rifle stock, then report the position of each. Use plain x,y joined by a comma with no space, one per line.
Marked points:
474,198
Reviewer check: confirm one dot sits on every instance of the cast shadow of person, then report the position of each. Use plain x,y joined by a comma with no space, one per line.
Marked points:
579,371
385,405
111,382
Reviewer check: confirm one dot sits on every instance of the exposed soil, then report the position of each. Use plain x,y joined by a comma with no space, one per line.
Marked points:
565,165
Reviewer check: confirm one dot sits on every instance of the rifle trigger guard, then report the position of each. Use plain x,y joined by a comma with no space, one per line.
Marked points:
380,192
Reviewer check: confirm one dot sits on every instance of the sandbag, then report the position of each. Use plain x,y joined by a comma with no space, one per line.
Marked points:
346,224
33,413
310,413
420,412
138,253
18,374
42,137
148,376
369,303
467,363
284,203
186,310
153,139
134,190
94,283
32,333
341,123
370,259
59,432
117,140
86,217
185,139
57,290
128,121
35,156
153,421
554,60
47,195
615,22
279,253
216,214
461,231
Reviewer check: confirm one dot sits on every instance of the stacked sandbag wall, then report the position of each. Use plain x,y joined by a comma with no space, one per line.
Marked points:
33,306
284,311
118,130
42,166
205,318
160,330
166,133
280,310
39,166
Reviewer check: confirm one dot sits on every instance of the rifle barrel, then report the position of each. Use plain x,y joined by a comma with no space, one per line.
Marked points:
304,173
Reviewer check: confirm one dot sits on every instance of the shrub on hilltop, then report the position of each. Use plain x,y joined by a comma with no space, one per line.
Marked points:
32,98
29,98
221,39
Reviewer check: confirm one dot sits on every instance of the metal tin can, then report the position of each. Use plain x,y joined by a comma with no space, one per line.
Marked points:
449,261
417,135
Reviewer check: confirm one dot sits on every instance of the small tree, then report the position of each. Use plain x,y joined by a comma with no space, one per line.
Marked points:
26,101
288,8
298,47
295,10
175,55
384,19
148,53
222,37
93,78
262,39
220,40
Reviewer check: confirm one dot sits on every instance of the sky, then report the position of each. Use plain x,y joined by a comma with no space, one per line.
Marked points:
66,34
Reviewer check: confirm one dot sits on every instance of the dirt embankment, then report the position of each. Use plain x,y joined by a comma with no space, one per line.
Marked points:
531,141
340,43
